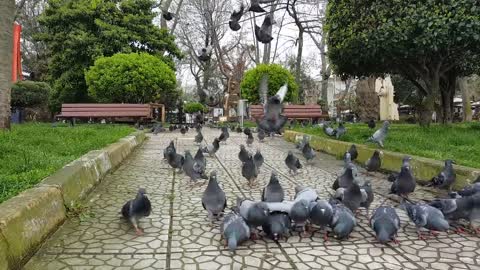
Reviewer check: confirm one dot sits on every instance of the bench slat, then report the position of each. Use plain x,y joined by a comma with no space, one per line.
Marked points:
103,114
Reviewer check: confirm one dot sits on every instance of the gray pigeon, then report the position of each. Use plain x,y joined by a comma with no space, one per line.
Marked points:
176,161
249,170
343,221
199,137
254,213
351,196
374,163
273,192
385,223
426,216
261,135
258,159
308,152
353,152
273,121
470,190
405,182
211,149
170,148
137,208
366,189
247,131
250,139
340,131
200,159
224,135
193,169
302,142
321,214
183,130
346,179
328,130
446,177
234,230
213,198
299,213
243,154
467,208
158,128
380,135
292,162
277,225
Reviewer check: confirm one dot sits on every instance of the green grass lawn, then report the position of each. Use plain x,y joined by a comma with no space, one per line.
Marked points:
30,152
460,142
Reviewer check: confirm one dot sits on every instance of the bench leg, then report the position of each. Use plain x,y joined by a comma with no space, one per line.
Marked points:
72,121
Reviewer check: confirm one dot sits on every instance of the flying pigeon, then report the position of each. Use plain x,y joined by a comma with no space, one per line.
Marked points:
273,121
224,135
258,159
340,131
261,135
292,162
277,225
405,182
446,177
235,18
343,221
250,139
385,223
137,208
255,6
426,216
168,16
273,192
254,213
380,135
213,198
249,170
193,169
308,152
198,137
321,214
175,160
243,154
211,149
374,163
234,230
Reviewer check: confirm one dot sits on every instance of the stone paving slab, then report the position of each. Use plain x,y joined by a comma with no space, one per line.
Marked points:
178,234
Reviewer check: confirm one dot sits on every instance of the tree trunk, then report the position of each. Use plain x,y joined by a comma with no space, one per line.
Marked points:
267,46
298,66
165,7
367,100
263,89
425,111
467,107
7,12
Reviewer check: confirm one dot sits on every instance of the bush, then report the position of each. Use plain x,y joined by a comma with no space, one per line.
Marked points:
131,78
30,94
277,76
193,107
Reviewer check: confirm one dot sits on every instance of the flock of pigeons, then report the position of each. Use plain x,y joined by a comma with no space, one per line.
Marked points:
278,216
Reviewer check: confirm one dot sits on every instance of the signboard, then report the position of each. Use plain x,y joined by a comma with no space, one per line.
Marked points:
217,112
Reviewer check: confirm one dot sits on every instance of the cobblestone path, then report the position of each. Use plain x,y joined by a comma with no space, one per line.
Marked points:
179,236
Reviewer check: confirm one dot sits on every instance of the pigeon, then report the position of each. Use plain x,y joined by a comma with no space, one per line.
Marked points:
198,127
273,192
308,152
238,129
340,131
353,152
292,162
254,213
171,128
168,16
328,130
249,139
374,163
351,196
446,177
305,193
258,159
170,148
234,230
405,182
385,223
261,135
200,159
299,213
321,214
302,142
137,208
193,169
249,170
176,161
235,18
467,208
371,124
247,131
343,221
198,137
183,130
425,216
224,135
277,225
213,198
158,129
346,179
205,54
380,135
366,189
470,190
255,6
211,149
273,121
243,154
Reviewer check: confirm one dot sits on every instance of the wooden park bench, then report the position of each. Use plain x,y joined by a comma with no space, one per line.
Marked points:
92,111
300,112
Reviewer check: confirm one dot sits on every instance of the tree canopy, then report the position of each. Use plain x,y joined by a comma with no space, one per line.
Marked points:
131,78
277,76
429,42
79,31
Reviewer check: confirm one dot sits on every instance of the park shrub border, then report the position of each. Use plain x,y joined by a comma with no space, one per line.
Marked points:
27,219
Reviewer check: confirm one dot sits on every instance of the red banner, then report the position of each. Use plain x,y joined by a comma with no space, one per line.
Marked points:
17,58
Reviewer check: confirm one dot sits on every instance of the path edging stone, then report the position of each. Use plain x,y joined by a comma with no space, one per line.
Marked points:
27,219
424,168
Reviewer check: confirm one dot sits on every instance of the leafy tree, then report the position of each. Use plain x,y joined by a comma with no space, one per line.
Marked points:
277,76
131,78
79,31
30,94
430,43
193,107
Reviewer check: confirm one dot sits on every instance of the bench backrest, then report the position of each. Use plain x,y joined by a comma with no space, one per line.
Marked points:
106,110
291,111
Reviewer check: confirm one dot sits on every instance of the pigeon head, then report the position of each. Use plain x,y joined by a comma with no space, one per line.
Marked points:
386,124
347,157
232,242
142,191
216,142
298,189
383,235
449,162
187,153
258,151
242,147
290,153
454,195
376,153
273,178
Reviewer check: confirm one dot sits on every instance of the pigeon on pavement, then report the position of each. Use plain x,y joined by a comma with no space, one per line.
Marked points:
176,161
308,152
213,198
321,214
224,135
243,154
374,163
170,148
426,216
346,179
193,169
254,213
211,149
277,225
385,223
292,162
200,159
258,159
261,135
273,192
343,221
199,137
250,139
405,182
137,208
234,230
249,170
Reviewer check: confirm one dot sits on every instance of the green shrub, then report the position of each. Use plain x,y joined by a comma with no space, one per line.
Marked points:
30,94
131,78
277,76
193,107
